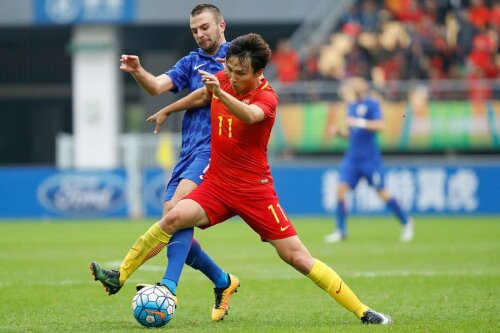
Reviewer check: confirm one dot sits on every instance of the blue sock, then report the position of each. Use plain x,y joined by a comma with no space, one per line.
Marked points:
171,285
396,209
341,217
177,252
200,260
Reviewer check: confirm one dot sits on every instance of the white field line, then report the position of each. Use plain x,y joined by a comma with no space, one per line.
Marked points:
271,276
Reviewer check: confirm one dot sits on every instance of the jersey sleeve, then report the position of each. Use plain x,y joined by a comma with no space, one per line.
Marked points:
221,76
350,110
180,74
267,101
375,110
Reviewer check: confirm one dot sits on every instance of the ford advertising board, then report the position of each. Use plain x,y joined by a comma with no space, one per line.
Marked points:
47,192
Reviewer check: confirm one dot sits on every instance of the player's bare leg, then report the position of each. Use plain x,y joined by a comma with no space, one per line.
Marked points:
293,252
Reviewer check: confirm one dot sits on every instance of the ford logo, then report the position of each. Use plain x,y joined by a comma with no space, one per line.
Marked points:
83,194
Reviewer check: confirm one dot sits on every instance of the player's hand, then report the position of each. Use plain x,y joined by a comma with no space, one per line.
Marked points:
343,132
222,61
330,133
357,122
335,131
158,118
210,81
129,63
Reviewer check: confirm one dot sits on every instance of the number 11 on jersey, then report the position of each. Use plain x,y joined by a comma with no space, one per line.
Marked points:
229,124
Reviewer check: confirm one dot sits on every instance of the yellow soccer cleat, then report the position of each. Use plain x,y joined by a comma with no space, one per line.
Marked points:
162,286
140,286
222,296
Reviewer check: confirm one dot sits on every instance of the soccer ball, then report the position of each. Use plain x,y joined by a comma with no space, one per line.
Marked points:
153,306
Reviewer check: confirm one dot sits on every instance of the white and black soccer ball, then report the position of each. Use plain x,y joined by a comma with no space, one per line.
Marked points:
153,306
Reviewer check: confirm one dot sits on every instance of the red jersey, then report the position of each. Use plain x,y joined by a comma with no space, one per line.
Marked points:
239,150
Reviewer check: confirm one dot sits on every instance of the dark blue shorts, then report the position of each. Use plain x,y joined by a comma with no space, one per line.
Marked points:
351,172
192,167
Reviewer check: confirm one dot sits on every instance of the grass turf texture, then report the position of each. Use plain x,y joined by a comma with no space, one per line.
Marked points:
446,280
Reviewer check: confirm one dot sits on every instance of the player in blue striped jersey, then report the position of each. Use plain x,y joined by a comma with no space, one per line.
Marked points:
363,158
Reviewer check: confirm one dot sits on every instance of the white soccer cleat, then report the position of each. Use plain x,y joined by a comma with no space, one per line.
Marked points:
334,237
408,231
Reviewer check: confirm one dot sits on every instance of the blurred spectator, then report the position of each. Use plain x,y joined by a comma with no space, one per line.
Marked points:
495,16
369,16
418,67
351,29
395,6
479,14
482,56
351,17
286,62
430,9
415,40
466,34
394,67
410,12
425,32
358,62
310,64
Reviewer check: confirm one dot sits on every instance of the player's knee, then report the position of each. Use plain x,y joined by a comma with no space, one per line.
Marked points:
341,192
170,221
384,194
167,207
177,219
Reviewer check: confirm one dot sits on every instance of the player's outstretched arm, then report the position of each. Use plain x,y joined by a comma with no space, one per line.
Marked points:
153,85
335,130
196,99
248,114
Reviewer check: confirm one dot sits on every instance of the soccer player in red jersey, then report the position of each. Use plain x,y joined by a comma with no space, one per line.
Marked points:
238,181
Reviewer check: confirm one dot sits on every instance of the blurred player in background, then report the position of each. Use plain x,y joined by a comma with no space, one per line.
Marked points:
363,158
207,25
239,182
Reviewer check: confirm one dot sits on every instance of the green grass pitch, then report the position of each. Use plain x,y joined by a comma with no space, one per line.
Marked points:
446,280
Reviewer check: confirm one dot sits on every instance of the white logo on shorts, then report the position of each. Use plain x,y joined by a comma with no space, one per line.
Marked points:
205,170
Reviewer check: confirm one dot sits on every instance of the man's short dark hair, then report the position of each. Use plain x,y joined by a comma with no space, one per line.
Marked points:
206,7
251,46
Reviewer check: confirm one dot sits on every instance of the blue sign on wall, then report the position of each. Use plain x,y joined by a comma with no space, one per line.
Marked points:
83,11
423,189
47,192
155,183
302,190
